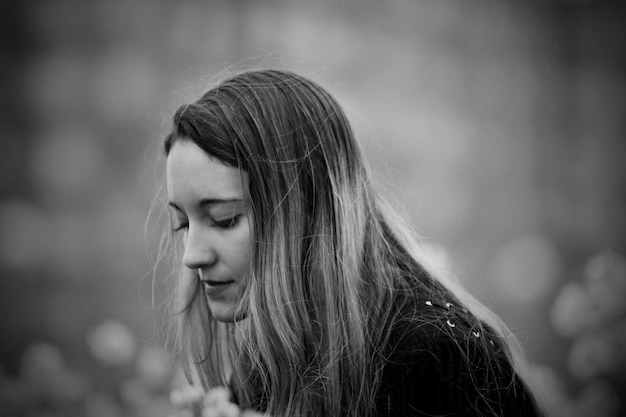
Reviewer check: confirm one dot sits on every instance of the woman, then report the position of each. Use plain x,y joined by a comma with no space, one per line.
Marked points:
300,290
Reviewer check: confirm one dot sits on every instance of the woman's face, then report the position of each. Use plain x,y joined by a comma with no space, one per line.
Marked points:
212,214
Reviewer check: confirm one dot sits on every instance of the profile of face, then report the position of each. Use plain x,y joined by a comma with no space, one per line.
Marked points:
211,211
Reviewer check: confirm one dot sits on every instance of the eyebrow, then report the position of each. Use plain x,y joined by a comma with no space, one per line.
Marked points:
208,202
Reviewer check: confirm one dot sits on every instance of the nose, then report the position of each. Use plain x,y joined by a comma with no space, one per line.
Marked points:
199,251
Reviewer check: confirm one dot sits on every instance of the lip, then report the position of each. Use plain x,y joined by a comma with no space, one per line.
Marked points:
216,287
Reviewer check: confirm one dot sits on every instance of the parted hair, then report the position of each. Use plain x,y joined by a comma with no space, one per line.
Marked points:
331,264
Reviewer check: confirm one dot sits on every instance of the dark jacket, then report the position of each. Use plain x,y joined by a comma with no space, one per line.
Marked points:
441,361
444,362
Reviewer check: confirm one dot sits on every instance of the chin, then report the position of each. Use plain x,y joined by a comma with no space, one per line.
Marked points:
225,314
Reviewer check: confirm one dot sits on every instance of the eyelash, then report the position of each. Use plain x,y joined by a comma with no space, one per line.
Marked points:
228,223
180,227
222,224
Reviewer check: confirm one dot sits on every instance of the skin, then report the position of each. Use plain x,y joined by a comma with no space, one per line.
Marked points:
208,200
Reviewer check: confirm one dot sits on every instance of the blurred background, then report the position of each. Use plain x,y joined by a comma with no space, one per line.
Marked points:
498,125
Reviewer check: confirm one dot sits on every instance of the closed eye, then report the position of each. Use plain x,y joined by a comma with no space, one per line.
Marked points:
181,227
227,223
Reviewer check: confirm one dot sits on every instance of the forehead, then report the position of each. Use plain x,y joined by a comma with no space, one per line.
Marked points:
192,173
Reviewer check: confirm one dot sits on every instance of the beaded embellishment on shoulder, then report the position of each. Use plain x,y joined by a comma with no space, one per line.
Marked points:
451,316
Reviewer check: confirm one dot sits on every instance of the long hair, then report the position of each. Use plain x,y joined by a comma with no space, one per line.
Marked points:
330,269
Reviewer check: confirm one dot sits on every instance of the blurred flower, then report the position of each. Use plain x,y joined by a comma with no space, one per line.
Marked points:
186,396
112,343
593,314
605,279
216,395
598,399
154,367
571,310
616,334
193,402
41,358
224,409
591,356
251,413
43,369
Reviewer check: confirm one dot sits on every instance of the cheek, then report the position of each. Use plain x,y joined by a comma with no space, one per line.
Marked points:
241,249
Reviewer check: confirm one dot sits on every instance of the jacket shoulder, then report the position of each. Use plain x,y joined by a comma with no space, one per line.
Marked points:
444,361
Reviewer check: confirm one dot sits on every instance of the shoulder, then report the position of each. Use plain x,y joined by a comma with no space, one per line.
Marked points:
442,342
442,360
439,320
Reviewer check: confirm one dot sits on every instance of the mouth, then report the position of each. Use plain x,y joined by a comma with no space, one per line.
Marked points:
211,283
215,288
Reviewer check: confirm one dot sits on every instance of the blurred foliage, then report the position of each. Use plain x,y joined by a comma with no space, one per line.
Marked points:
497,125
120,378
592,314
